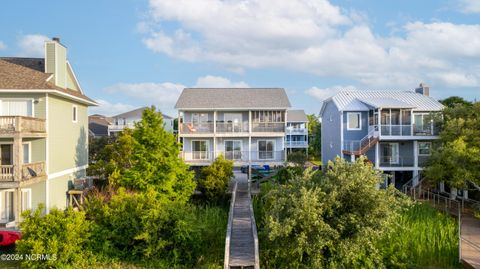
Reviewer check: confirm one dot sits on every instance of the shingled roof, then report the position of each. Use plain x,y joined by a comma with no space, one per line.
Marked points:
233,98
137,113
28,74
296,116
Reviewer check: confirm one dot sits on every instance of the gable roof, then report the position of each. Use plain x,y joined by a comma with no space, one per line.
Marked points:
27,74
137,113
296,116
348,100
233,98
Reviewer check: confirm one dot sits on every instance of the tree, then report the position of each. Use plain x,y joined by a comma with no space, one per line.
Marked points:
456,161
453,101
146,157
314,133
214,179
328,219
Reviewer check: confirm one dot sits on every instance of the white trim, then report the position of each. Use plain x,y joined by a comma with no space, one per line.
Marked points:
53,92
359,121
29,200
74,113
29,143
273,149
67,171
341,133
74,76
47,157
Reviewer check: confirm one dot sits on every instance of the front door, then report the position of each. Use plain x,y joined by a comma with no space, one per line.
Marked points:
6,154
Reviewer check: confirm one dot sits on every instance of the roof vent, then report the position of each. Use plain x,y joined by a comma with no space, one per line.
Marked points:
423,89
57,39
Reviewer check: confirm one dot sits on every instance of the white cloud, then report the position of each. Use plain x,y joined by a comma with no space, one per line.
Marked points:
32,45
161,95
324,93
469,6
2,45
218,82
109,109
315,37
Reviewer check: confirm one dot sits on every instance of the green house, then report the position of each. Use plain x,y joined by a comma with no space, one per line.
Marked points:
43,132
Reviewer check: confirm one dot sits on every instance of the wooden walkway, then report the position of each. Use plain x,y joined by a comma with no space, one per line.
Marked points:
470,242
241,249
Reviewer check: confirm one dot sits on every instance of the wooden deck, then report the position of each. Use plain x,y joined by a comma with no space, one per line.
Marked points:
242,248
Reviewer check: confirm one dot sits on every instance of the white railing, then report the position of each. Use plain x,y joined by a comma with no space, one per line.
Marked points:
6,172
296,143
28,171
236,156
355,146
296,131
196,128
231,127
396,161
268,127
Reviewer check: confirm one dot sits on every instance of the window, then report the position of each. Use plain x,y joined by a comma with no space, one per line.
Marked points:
233,149
200,150
424,148
265,149
26,199
391,153
74,114
354,121
199,117
17,108
26,153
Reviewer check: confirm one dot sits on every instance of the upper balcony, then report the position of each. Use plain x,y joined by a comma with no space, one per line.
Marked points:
231,128
25,126
408,130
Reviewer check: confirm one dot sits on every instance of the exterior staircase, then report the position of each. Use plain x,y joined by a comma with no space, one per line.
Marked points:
361,147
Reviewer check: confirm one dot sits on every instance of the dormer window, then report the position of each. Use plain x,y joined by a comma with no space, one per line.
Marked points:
354,121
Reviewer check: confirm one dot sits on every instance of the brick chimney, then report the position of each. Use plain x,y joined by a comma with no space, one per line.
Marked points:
423,89
56,61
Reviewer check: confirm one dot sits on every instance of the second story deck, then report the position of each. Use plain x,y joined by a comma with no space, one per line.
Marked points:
23,126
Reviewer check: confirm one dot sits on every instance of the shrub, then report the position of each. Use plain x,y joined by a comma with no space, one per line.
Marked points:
214,179
285,174
62,235
298,158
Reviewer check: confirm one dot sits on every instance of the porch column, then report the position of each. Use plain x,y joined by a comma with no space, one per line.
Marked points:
442,186
249,157
415,178
377,155
178,128
379,122
285,131
17,205
17,175
352,158
415,154
214,134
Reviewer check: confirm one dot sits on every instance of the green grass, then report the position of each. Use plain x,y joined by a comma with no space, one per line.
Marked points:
422,237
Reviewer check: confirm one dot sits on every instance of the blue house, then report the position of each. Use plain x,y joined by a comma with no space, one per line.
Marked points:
394,129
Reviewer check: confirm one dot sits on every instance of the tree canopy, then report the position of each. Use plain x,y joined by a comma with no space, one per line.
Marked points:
146,157
314,133
456,161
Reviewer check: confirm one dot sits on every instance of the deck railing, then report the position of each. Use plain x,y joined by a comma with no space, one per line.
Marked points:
268,127
235,155
29,171
11,124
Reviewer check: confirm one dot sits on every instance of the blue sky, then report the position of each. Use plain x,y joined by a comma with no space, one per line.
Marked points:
135,52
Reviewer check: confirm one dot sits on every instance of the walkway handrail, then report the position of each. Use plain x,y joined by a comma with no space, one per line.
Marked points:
255,237
226,258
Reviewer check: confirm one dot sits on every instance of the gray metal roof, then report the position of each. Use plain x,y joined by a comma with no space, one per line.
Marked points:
296,116
348,100
385,102
136,113
233,98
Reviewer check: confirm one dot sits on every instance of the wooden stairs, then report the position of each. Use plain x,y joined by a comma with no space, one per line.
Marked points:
361,147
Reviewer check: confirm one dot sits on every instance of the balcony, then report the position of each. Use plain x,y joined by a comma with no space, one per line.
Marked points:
408,130
296,131
196,128
232,127
296,144
27,126
396,161
238,157
120,127
268,127
28,171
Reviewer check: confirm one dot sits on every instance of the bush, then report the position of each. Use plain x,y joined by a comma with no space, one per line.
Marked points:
61,235
215,178
298,158
148,229
285,174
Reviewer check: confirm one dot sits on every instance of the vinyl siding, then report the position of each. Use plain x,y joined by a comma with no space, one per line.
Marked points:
331,136
38,109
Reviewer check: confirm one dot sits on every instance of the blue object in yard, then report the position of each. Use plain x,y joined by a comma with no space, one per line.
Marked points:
266,167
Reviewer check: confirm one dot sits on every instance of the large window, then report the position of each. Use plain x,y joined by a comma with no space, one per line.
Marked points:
233,149
200,150
17,108
424,148
199,117
391,153
265,149
354,121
